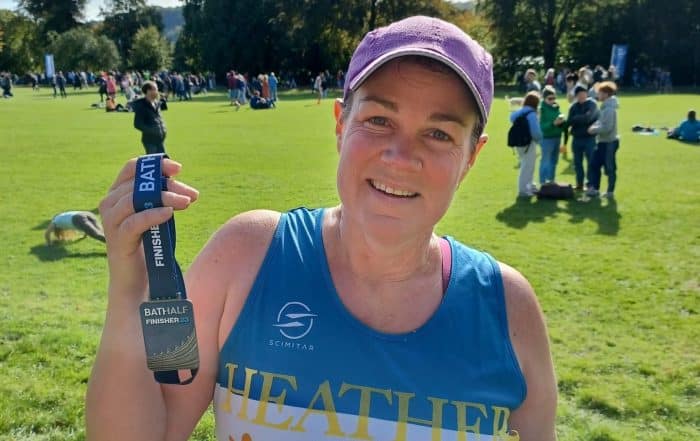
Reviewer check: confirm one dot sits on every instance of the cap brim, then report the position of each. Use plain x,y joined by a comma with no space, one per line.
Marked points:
404,51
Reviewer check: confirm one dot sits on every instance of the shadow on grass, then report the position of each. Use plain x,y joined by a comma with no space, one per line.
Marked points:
58,251
605,215
524,210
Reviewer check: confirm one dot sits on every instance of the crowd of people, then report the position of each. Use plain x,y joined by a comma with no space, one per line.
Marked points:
260,90
593,130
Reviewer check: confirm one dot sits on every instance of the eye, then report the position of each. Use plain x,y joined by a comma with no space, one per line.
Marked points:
378,121
440,135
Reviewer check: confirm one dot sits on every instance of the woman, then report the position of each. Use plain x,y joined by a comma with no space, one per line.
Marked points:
527,154
357,320
605,129
68,224
552,123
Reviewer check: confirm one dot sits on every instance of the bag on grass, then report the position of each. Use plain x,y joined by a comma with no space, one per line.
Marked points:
519,133
554,190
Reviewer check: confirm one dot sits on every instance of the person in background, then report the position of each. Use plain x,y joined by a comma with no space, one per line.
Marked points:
531,83
582,113
61,84
527,154
605,128
272,82
552,124
64,225
550,78
571,82
688,130
148,119
318,86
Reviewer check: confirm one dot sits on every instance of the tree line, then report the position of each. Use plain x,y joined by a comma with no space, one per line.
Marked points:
314,35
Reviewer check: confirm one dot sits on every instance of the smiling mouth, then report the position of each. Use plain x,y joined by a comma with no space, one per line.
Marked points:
395,192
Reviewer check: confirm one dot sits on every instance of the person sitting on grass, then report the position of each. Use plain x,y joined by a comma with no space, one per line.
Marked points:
688,130
112,106
258,102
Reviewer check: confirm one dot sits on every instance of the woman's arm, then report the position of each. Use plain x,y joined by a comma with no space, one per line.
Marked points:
534,419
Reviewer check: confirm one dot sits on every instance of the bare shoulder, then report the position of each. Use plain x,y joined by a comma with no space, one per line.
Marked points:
526,323
534,419
238,247
521,302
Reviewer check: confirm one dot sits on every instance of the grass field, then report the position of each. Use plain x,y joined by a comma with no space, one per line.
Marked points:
619,282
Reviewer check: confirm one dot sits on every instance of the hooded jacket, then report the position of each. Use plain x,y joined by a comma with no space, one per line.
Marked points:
606,126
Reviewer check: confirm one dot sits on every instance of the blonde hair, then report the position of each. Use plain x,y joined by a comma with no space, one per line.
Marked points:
608,87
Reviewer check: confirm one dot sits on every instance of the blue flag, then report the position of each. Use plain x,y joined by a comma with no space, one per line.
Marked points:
48,62
618,58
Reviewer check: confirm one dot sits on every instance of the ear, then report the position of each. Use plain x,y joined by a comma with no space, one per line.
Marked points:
337,113
483,139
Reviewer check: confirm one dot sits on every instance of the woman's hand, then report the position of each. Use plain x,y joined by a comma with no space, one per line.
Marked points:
124,227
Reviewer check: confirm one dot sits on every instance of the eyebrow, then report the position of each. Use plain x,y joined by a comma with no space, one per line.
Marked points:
435,117
381,101
447,117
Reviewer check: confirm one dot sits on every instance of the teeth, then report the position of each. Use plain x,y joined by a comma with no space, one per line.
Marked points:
393,191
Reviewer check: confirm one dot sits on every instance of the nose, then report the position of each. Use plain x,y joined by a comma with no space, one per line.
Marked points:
400,154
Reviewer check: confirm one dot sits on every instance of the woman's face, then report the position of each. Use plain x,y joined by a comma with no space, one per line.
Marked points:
405,147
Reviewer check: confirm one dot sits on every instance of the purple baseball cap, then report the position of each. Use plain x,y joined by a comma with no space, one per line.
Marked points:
428,37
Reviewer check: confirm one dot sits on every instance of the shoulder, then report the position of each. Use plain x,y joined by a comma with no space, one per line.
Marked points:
243,238
225,269
535,418
521,302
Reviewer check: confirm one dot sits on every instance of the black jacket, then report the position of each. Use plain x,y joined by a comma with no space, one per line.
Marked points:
581,116
147,119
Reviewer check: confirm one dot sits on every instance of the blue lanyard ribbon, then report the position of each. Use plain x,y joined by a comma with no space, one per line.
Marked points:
164,274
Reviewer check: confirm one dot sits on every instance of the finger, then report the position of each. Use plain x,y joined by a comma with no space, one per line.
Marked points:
115,195
134,225
170,167
126,188
183,189
125,206
127,173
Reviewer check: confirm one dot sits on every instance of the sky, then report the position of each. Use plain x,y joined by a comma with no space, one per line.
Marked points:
92,10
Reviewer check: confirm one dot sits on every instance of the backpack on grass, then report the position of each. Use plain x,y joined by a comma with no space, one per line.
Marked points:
519,133
554,190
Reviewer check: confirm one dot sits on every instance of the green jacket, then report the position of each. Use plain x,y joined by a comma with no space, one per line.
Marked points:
547,116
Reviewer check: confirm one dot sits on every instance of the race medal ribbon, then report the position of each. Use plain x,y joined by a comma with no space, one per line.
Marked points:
167,318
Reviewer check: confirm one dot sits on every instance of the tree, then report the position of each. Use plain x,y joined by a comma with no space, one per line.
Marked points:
187,55
292,35
531,27
123,19
20,51
55,15
79,48
150,51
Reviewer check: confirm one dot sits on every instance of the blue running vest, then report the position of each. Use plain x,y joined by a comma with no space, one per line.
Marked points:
298,366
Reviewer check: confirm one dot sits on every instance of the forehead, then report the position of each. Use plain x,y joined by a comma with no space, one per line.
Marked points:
423,76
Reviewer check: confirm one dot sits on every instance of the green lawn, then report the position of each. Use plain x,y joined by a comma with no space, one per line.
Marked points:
619,282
